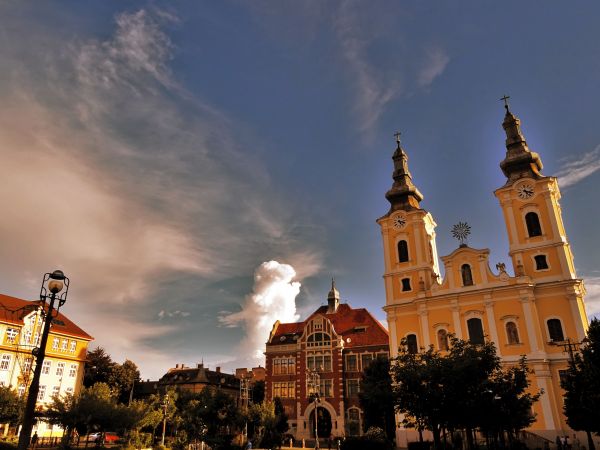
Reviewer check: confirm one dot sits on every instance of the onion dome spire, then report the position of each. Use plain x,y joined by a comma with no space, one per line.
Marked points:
403,195
519,162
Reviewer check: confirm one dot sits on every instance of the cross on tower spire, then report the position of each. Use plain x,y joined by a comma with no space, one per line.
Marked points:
505,98
397,136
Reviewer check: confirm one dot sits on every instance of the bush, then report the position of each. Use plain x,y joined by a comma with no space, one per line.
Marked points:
425,445
5,445
374,439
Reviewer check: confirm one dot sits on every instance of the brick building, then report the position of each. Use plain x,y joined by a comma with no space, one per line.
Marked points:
338,342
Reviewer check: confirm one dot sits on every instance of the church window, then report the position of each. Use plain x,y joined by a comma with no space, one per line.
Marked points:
540,262
475,327
406,284
442,337
512,333
411,343
402,251
555,330
467,276
533,224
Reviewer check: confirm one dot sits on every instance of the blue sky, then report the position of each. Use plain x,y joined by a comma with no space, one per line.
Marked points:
161,152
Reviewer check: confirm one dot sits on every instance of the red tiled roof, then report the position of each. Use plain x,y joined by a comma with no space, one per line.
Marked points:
357,324
13,310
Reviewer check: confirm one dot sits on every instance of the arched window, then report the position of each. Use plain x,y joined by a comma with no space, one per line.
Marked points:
402,251
475,328
555,330
406,284
411,343
318,340
467,276
512,333
442,337
533,224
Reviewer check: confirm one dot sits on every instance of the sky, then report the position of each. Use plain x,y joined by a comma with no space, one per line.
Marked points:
201,169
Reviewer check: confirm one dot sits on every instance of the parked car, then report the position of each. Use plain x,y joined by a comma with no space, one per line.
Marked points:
108,437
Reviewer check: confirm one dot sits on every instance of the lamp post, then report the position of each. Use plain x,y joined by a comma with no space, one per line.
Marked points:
52,284
165,406
313,380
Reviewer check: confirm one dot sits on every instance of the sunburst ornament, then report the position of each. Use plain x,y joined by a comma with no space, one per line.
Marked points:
460,231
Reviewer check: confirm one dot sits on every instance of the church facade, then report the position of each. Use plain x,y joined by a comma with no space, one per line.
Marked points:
530,310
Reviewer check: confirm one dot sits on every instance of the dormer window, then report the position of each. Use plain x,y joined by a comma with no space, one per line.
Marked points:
467,276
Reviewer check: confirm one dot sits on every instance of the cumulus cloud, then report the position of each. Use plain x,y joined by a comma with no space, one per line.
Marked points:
120,177
273,298
575,170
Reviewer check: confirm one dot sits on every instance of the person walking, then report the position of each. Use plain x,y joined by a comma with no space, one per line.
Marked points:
34,440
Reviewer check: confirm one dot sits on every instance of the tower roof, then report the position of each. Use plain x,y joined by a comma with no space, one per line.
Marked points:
404,194
333,293
519,162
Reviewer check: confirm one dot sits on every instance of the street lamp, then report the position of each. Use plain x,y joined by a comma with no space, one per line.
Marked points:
313,381
52,284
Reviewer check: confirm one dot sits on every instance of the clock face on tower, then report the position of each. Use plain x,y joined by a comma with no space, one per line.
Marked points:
525,191
399,221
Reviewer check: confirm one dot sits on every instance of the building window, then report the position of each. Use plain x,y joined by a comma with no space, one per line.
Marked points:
402,251
27,337
55,391
11,334
21,390
69,390
533,224
540,262
36,339
475,327
555,330
467,276
321,363
73,346
353,414
411,343
442,338
318,340
65,345
55,343
60,368
46,367
352,387
5,362
27,365
73,370
406,284
326,388
366,359
284,389
512,333
562,376
351,363
41,394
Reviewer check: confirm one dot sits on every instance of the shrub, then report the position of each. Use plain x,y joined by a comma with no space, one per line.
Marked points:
425,445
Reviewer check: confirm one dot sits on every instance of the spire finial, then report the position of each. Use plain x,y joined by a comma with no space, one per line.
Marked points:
397,136
332,283
505,99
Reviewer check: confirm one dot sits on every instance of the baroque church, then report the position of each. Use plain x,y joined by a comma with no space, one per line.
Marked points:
532,311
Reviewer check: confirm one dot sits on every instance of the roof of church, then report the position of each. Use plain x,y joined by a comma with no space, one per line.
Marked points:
13,310
357,324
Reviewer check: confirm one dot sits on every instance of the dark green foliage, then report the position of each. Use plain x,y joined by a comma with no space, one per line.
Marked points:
376,397
465,389
100,368
11,406
258,392
582,386
374,439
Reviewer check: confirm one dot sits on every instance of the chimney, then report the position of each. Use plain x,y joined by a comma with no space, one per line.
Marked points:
218,369
200,366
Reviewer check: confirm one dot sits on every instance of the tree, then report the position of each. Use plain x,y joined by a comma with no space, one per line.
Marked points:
121,379
269,423
582,386
376,397
98,368
258,392
11,406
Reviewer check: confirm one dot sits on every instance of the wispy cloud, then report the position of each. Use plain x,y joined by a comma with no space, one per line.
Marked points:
592,299
124,180
435,63
575,170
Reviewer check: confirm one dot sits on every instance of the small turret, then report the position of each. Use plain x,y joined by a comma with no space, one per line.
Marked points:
403,195
333,299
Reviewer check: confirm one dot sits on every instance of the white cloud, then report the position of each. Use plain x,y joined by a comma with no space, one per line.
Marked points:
117,175
436,61
576,170
273,298
592,298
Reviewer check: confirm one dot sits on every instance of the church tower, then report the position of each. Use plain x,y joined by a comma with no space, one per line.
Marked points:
538,244
408,233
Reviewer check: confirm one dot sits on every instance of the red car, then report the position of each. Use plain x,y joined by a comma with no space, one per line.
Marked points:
110,437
